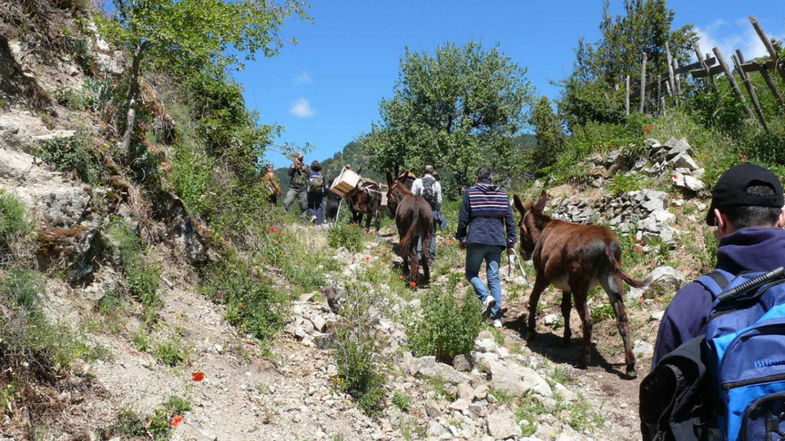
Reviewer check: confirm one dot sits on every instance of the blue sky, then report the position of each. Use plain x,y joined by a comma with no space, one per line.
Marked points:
326,89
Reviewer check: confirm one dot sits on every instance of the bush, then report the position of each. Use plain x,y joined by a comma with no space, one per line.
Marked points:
190,176
252,303
142,277
624,182
14,222
75,154
171,353
157,426
446,328
357,351
349,236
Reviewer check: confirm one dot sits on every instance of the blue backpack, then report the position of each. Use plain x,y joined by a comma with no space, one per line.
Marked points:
745,342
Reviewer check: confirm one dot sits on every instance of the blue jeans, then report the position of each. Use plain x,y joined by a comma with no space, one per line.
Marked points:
315,206
491,254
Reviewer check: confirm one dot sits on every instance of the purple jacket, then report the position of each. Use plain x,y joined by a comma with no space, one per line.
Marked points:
749,249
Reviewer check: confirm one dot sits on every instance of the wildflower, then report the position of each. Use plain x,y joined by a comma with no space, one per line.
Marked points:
651,262
176,420
639,249
197,376
280,231
634,238
400,277
742,157
272,229
648,128
675,176
413,284
383,260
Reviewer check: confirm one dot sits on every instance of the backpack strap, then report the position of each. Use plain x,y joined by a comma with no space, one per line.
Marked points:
716,281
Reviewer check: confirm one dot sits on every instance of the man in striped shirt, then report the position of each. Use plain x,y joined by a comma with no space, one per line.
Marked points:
486,227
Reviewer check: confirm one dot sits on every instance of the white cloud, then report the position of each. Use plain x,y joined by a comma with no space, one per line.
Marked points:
302,108
731,36
302,79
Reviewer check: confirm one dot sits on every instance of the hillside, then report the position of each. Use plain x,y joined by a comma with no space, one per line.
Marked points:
149,292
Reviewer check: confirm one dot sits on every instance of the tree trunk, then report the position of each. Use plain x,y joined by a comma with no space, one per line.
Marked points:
133,92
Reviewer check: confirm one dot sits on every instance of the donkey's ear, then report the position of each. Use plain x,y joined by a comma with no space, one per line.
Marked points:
389,179
359,170
539,206
518,204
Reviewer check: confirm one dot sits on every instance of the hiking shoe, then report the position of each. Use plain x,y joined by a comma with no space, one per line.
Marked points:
313,218
487,304
497,323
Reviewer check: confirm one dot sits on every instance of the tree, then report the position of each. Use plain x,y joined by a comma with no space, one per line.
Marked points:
592,92
189,34
549,133
455,109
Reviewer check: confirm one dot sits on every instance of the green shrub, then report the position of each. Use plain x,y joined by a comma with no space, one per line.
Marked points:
357,351
142,277
446,328
74,154
349,236
624,182
14,222
252,303
157,426
73,99
191,172
171,353
402,401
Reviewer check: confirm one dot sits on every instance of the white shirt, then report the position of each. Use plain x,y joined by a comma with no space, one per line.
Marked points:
417,189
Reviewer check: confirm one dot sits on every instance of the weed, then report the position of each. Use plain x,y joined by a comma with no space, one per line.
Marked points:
501,396
402,401
191,172
141,341
446,328
527,415
602,311
141,275
442,389
349,236
14,222
157,426
357,352
172,353
562,376
75,154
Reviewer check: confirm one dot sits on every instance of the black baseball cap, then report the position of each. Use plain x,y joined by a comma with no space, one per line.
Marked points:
731,189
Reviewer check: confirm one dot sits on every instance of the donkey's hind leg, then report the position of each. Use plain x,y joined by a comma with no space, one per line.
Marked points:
566,308
612,284
414,264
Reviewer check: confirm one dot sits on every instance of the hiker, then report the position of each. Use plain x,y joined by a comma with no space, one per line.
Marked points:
746,207
430,189
298,184
331,203
486,227
316,191
271,183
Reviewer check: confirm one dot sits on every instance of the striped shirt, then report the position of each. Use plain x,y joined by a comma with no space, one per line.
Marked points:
488,201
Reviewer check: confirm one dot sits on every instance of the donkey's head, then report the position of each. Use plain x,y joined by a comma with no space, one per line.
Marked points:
397,189
532,222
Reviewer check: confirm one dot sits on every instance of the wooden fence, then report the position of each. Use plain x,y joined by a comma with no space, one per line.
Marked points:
706,68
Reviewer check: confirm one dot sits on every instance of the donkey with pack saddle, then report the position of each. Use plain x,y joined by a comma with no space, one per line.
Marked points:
414,219
366,201
574,258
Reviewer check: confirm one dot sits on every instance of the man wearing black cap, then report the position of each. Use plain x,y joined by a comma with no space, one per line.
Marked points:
746,207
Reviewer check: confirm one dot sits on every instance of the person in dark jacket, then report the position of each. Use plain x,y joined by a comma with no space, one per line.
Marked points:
298,184
486,227
747,209
316,189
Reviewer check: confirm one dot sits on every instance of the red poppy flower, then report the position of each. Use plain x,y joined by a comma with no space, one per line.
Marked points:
675,176
651,262
413,284
280,231
400,277
383,260
639,249
272,229
197,376
176,420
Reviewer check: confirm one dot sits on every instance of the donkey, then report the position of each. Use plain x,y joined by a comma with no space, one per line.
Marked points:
366,200
414,219
574,258
407,179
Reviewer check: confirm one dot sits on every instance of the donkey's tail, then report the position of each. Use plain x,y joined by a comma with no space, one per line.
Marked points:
613,252
410,233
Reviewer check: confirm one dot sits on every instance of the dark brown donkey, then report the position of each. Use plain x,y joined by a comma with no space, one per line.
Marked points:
366,200
574,258
414,219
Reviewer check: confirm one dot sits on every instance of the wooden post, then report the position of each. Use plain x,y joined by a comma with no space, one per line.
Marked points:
768,44
641,108
671,81
627,95
709,79
738,59
732,81
764,72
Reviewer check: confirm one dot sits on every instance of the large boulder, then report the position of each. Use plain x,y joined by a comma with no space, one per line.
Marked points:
516,380
428,366
502,425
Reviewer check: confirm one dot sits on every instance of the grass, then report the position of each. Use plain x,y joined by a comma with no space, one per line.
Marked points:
14,221
157,426
142,277
402,401
172,353
349,236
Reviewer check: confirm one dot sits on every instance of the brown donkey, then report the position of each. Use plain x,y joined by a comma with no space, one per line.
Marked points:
414,219
574,258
